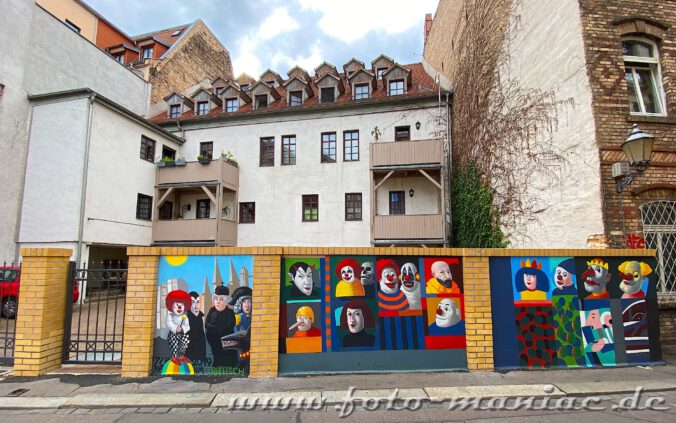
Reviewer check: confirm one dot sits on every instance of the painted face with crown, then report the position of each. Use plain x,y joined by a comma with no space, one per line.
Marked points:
596,276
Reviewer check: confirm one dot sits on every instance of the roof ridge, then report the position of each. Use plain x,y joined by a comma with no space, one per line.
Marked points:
134,37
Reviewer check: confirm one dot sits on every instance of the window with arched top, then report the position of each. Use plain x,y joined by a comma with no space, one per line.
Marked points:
659,230
644,77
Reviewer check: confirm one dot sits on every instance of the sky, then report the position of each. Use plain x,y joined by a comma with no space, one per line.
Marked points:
279,34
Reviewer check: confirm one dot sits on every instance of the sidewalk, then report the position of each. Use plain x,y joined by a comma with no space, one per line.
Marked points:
110,391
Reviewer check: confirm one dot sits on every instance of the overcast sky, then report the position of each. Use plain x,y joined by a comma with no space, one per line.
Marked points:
279,34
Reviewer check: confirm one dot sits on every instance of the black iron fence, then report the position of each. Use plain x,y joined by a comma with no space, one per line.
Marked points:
10,276
95,313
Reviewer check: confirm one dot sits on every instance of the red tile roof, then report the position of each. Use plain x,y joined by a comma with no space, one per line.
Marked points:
421,83
164,34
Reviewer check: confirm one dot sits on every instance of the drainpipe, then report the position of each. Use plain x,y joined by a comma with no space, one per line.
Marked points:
85,172
449,156
19,216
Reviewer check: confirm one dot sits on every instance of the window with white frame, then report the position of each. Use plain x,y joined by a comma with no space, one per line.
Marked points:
174,111
396,87
202,107
295,98
361,91
643,75
147,53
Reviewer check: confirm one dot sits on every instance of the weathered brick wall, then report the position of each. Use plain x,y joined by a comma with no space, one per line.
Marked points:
199,56
668,324
602,32
446,27
42,309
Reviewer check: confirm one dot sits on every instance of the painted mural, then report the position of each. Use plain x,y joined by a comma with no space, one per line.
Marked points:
204,307
573,311
363,312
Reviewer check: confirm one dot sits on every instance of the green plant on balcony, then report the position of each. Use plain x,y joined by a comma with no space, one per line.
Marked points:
180,161
166,161
204,159
229,158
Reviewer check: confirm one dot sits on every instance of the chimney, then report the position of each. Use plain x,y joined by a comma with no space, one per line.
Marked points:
428,25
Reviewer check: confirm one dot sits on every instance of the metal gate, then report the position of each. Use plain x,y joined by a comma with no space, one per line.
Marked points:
659,230
95,313
10,275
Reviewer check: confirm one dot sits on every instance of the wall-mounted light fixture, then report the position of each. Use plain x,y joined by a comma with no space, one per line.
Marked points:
187,207
638,148
411,192
417,125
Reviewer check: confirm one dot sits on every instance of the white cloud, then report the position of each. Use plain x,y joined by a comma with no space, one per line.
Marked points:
278,22
246,60
284,62
350,20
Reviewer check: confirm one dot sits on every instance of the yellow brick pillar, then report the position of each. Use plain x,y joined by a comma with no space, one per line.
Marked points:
265,320
478,318
42,308
139,312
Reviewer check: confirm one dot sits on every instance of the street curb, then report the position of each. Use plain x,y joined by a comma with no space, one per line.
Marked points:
358,396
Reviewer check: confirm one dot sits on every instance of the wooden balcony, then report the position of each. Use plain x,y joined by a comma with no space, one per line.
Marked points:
195,230
403,153
218,170
409,227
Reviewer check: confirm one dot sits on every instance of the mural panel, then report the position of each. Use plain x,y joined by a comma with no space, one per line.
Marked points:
204,307
571,312
375,313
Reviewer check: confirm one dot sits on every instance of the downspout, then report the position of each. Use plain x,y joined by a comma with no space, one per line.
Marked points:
85,174
19,215
449,162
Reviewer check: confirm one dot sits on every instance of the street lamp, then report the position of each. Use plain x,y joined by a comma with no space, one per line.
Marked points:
638,148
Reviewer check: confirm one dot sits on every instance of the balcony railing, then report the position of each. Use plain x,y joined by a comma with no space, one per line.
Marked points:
420,226
196,230
216,170
406,153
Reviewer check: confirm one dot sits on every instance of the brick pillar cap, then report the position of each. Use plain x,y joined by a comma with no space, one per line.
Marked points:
46,252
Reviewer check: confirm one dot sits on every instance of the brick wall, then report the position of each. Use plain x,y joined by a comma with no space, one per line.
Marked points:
199,56
42,308
478,316
265,326
602,31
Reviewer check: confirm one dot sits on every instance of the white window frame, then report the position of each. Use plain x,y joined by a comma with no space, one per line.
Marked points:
390,91
227,104
368,91
151,49
656,71
179,111
206,110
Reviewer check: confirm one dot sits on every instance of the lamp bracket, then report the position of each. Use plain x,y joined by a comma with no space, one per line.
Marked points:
621,182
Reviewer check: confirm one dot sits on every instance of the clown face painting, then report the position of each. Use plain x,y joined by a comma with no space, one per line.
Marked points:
366,275
564,278
349,285
410,285
596,278
633,275
388,279
391,298
447,319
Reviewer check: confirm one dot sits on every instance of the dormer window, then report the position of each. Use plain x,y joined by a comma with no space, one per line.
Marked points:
176,33
271,83
174,111
148,53
295,98
218,91
380,72
231,104
244,87
328,95
361,91
396,87
119,57
261,101
202,108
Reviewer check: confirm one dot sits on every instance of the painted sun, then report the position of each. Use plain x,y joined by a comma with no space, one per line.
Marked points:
176,260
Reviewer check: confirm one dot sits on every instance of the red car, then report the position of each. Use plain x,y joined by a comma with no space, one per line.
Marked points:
9,291
10,277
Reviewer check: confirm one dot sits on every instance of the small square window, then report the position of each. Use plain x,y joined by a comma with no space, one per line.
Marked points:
247,212
271,83
353,206
328,147
396,87
144,207
166,211
397,202
380,72
289,150
207,149
148,53
310,208
231,104
295,98
244,87
402,133
261,101
202,108
218,91
351,146
328,95
174,111
119,57
147,149
267,153
361,91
